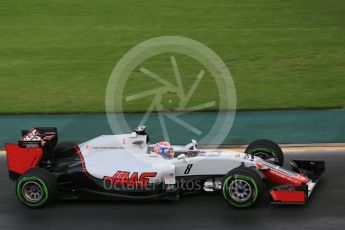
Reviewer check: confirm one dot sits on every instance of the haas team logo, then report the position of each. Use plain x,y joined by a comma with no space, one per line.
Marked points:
124,178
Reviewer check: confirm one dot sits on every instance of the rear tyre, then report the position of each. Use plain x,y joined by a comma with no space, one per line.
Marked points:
266,149
36,188
242,187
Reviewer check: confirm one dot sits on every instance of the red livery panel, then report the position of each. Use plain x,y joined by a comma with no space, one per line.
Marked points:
280,177
288,196
20,160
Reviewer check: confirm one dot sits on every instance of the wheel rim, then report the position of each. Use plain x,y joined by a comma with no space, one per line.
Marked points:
32,191
240,190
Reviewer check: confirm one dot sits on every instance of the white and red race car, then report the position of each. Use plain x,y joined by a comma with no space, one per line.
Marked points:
125,167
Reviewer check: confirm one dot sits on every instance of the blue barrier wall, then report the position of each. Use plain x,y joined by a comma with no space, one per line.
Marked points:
290,126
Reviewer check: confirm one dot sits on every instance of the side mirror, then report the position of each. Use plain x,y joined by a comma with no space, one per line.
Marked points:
192,146
195,144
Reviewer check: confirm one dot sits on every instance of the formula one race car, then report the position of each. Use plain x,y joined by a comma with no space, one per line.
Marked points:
126,167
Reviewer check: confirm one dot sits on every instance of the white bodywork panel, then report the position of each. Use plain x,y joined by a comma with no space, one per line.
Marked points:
107,154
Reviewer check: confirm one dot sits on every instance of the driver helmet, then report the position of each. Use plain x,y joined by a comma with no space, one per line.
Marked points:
164,149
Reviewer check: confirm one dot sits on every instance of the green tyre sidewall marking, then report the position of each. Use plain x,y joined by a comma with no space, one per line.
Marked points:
250,201
41,183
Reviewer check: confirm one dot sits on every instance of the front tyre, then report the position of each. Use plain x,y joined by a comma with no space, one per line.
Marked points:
267,150
36,188
242,187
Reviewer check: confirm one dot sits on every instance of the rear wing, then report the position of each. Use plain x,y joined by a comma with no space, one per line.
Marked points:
38,137
33,148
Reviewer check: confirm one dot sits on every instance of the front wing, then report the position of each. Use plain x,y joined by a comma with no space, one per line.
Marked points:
288,194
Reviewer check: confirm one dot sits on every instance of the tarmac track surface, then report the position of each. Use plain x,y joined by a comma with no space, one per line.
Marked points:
325,209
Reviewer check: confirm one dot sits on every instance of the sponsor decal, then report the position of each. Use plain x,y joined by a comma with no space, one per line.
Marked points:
33,135
125,178
88,147
284,176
